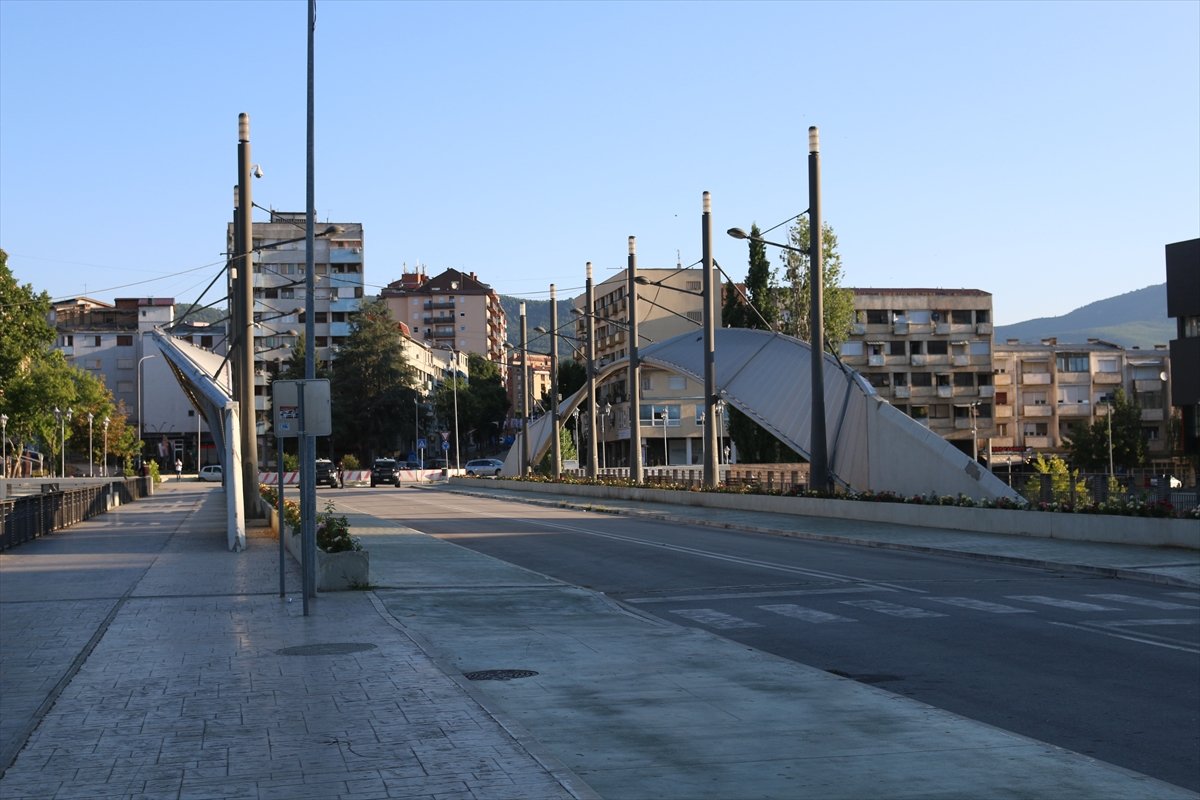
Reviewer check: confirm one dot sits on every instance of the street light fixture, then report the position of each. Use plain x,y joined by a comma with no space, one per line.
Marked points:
818,447
606,412
454,386
91,458
105,470
141,425
4,445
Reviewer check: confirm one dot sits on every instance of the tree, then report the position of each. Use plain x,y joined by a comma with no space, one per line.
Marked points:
736,313
373,396
796,299
1088,446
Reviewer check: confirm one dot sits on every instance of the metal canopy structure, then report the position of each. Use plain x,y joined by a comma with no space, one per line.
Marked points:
872,446
196,369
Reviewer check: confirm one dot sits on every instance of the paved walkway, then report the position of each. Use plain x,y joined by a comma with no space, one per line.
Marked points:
140,659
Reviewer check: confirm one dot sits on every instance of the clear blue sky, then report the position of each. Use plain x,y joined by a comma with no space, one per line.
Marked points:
1044,152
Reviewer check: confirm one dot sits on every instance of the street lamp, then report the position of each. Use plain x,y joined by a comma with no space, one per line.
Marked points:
454,387
666,448
63,418
4,445
526,394
105,470
91,458
606,412
590,295
818,455
636,473
141,426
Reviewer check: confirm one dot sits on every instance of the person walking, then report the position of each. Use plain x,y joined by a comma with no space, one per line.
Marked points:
178,470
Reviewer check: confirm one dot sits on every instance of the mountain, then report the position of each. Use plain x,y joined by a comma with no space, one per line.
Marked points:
537,312
1134,319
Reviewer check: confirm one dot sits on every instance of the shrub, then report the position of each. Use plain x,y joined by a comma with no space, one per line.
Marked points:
333,533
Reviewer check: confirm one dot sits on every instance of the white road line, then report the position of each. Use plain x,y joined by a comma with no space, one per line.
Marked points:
700,598
1186,595
981,605
714,619
891,609
1056,602
1139,639
805,614
1143,601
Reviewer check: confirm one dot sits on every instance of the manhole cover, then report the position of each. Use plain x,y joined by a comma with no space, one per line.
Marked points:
499,674
326,649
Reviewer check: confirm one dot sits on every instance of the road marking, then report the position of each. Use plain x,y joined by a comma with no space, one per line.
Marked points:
805,614
891,609
981,605
1071,605
714,619
1186,595
1144,601
694,598
1093,628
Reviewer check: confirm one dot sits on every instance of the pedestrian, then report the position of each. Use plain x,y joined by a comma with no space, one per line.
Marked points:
178,470
341,476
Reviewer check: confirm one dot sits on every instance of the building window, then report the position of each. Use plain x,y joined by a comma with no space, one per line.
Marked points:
1035,429
124,340
936,347
961,316
676,383
922,379
1150,434
877,317
98,342
1109,365
900,379
897,347
878,379
1073,362
964,379
852,348
694,286
980,348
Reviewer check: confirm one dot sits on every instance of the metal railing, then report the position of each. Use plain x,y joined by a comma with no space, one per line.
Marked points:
23,519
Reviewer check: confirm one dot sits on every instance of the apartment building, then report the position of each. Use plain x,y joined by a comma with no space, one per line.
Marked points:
672,406
280,266
108,340
1044,391
453,310
929,353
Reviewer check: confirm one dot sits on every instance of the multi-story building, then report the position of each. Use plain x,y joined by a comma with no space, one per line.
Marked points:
672,406
109,341
1183,303
453,310
280,265
1045,391
929,353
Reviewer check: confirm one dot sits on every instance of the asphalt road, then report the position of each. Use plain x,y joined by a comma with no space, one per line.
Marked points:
1106,668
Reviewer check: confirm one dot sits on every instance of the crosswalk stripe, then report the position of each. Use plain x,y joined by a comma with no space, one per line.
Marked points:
980,605
1056,602
1144,601
892,609
714,619
802,613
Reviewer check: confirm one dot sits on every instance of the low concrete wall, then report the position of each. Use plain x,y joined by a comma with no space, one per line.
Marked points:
336,572
1155,531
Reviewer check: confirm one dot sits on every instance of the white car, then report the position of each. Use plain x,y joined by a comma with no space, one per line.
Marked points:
211,473
485,466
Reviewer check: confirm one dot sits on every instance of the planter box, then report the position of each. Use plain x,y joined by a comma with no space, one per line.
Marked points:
336,572
1154,531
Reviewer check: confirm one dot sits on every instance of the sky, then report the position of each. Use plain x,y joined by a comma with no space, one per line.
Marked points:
1041,151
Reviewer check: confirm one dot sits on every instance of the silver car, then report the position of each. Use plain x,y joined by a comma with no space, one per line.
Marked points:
485,466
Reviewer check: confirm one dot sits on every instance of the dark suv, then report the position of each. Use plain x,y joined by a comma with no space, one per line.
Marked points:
384,471
326,474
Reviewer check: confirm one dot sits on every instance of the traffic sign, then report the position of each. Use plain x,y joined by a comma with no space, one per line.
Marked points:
421,443
445,445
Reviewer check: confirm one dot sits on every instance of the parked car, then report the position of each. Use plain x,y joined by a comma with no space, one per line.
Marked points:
485,466
212,472
326,473
384,470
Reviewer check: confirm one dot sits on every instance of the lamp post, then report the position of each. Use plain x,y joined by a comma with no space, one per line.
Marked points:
4,445
710,284
91,459
141,425
454,388
555,422
606,412
105,426
666,448
526,394
1108,419
590,294
636,471
818,447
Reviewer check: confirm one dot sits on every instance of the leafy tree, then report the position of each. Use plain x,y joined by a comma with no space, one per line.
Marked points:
796,299
1061,483
484,405
374,393
1088,447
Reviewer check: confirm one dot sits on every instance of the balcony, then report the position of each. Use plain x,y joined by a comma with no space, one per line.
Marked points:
901,392
961,360
1037,411
900,328
1035,379
1106,378
1074,378
875,360
1002,412
942,328
983,328
345,255
945,391
1002,379
857,328
1074,409
1152,415
1153,385
987,391
1037,442
919,360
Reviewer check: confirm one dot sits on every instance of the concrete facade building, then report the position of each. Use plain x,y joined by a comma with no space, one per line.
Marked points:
279,295
1045,391
454,310
928,352
109,341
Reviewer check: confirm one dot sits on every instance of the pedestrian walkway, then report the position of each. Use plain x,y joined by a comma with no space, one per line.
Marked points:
139,658
142,659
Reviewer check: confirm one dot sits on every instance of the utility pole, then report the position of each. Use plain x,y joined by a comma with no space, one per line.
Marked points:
555,422
244,298
635,373
818,478
710,288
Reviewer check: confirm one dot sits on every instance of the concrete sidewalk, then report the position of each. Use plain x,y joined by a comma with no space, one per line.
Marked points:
139,658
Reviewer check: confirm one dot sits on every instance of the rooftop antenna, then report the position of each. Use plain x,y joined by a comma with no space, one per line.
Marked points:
678,260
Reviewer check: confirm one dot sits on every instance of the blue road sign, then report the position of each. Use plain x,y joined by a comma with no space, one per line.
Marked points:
421,443
445,445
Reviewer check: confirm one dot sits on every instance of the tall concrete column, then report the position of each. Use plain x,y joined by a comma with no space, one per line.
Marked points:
245,337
